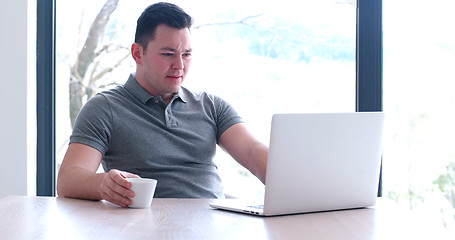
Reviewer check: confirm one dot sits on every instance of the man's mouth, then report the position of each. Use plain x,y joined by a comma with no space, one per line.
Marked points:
174,76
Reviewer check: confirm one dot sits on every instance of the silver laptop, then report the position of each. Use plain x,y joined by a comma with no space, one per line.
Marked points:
319,162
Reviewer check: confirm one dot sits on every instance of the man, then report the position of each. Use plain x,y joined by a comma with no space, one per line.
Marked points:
152,127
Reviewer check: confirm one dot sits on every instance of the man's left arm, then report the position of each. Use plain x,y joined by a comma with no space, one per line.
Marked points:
245,149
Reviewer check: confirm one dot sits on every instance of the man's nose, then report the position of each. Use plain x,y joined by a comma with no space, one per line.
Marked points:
178,63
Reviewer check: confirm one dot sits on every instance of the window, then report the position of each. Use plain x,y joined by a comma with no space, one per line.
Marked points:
261,56
419,151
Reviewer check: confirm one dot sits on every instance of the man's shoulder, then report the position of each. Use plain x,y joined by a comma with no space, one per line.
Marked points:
113,93
187,94
119,91
106,101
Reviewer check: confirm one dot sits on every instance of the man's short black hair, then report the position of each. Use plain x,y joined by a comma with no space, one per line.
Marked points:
156,14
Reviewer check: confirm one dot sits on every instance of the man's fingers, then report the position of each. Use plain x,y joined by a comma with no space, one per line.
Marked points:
115,188
116,198
114,194
118,178
121,190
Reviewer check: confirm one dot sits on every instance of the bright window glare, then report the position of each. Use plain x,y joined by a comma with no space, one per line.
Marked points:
419,151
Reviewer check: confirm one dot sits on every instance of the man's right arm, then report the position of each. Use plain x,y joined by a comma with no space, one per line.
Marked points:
77,177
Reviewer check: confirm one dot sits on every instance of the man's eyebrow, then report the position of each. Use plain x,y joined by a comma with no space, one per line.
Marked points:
175,50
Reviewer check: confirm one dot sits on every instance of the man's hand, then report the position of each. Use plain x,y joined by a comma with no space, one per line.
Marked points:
116,189
77,177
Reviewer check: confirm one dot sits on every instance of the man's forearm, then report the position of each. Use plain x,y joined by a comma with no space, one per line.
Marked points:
259,168
77,182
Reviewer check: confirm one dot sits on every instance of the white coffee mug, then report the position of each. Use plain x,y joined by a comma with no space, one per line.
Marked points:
144,189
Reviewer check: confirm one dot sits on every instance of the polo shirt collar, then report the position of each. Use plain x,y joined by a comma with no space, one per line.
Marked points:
143,96
181,94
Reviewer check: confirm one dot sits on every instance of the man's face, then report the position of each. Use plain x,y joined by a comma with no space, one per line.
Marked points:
163,67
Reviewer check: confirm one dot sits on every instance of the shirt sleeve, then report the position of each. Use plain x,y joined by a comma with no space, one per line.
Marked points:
93,124
227,116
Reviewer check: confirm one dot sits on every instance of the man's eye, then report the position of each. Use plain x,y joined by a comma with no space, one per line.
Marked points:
167,54
187,54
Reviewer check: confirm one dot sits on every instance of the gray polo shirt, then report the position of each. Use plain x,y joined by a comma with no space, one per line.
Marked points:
174,144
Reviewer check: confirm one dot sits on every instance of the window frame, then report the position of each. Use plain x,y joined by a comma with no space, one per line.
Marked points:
368,80
369,58
45,98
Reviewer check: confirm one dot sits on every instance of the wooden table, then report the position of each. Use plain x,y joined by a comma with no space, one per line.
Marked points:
62,218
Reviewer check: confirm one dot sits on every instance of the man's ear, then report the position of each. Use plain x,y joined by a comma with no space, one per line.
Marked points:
137,52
